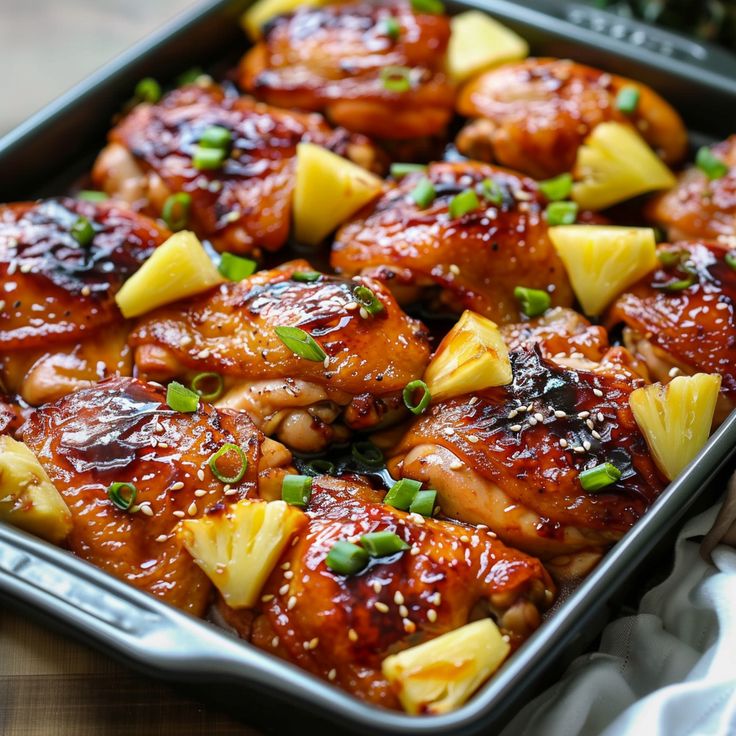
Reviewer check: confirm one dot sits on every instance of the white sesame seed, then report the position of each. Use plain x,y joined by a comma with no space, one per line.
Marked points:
416,518
532,421
352,635
512,414
578,449
409,626
284,589
674,371
436,600
472,438
86,291
163,445
560,414
162,537
539,417
583,415
154,442
178,514
449,431
589,423
380,606
314,643
146,509
586,445
431,615
291,603
473,400
288,575
275,642
398,598
596,435
515,427
231,492
200,474
200,492
326,361
456,465
332,674
600,417
454,269
364,315
377,587
414,551
192,510
464,538
403,611
598,392
267,598
563,442
177,486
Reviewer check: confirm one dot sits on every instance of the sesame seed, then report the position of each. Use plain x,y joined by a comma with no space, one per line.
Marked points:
163,445
154,442
539,417
364,314
578,449
231,492
472,438
563,442
473,400
515,427
464,538
377,587
86,291
162,537
512,414
583,415
590,424
177,486
332,674
192,510
178,514
454,269
204,353
291,603
398,598
598,392
288,575
409,626
674,371
200,474
596,435
532,421
275,642
380,606
449,431
456,465
200,492
145,509
436,599
295,541
600,417
267,598
431,615
530,407
326,361
314,643
586,445
416,518
403,611
560,414
414,551
352,635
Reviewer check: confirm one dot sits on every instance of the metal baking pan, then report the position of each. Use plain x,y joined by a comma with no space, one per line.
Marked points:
49,151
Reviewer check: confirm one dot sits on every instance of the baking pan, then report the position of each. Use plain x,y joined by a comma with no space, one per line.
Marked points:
48,152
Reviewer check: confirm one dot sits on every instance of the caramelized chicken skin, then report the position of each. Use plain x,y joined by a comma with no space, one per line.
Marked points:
60,328
533,115
699,207
477,260
338,59
509,457
242,206
122,430
231,331
341,627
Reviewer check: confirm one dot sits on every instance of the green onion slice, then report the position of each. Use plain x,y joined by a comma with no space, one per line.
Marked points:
176,211
677,284
216,137
200,384
396,78
599,477
424,503
346,558
669,258
241,467
492,191
383,544
82,231
710,164
180,398
562,213
434,7
366,453
306,277
533,301
392,27
320,466
558,188
208,158
236,268
91,195
463,203
296,490
301,343
190,76
730,259
408,396
148,90
368,300
402,493
122,495
400,170
423,193
627,99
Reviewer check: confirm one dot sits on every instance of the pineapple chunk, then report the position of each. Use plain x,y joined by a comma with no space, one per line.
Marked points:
471,357
178,268
602,261
328,190
239,548
263,11
28,498
478,42
615,164
441,674
676,419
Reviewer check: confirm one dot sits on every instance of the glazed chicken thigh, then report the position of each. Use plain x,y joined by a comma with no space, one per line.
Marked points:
61,263
341,627
374,68
533,115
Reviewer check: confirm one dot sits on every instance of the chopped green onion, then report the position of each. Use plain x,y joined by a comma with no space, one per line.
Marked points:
123,502
366,453
408,396
216,137
392,28
200,382
434,7
599,477
677,284
306,276
730,259
301,343
346,558
90,195
424,503
237,476
423,193
396,78
319,467
208,158
296,489
367,300
383,544
176,211
402,493
236,268
627,99
189,76
82,231
557,188
562,213
180,398
148,90
710,164
533,301
669,258
400,170
492,191
463,203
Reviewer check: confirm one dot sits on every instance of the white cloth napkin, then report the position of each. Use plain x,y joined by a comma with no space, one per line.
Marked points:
668,671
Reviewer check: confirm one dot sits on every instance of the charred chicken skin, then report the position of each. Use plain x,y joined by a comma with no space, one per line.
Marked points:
341,627
534,115
474,260
242,205
700,207
374,68
61,263
681,318
510,457
122,431
368,358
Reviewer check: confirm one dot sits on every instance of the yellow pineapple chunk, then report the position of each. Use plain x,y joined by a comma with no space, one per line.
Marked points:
328,190
239,548
676,419
263,11
478,42
602,261
471,357
28,498
615,164
177,269
441,674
